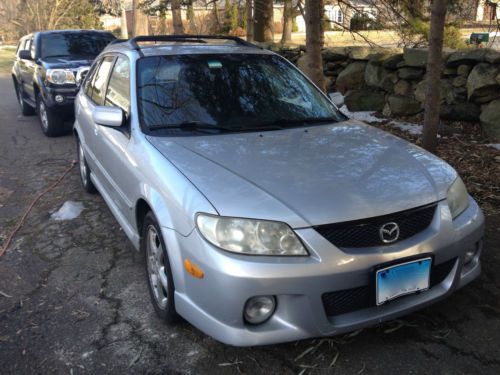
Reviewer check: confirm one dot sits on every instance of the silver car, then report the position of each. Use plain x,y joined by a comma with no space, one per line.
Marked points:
263,213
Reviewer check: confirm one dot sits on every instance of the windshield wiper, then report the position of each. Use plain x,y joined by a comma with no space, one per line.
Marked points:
192,125
282,122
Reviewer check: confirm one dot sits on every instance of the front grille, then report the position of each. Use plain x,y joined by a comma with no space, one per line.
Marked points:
365,232
350,300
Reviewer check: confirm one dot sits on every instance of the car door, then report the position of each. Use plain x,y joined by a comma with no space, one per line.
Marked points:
27,70
111,144
92,95
107,147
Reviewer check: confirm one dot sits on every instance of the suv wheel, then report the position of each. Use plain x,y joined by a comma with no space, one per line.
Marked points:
87,183
160,280
52,125
26,109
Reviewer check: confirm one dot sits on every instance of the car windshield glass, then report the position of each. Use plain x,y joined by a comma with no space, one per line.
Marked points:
234,92
74,44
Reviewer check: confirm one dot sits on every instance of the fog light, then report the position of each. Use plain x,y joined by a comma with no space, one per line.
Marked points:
471,253
59,98
259,309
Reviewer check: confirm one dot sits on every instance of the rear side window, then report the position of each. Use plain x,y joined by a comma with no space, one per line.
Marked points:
118,92
98,84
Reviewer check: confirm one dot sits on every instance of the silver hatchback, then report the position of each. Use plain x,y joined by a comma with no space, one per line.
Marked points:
263,213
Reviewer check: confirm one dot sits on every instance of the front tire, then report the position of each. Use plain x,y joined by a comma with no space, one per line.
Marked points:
159,274
51,124
84,169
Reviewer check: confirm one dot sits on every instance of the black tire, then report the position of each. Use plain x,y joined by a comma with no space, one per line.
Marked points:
84,169
26,109
165,311
51,124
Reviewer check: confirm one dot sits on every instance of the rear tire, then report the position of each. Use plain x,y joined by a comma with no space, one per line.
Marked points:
159,274
26,109
84,169
51,124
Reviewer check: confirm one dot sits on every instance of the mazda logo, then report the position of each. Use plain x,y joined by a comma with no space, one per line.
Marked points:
389,232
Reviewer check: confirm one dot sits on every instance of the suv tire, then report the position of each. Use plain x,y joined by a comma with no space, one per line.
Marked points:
158,271
26,109
51,124
84,169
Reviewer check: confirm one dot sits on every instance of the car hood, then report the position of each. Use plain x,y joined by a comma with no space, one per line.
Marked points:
309,176
66,62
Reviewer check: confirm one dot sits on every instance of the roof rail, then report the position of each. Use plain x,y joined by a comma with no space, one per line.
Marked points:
116,41
185,38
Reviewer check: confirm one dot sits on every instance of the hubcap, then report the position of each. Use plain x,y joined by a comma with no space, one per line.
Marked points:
43,115
156,267
83,167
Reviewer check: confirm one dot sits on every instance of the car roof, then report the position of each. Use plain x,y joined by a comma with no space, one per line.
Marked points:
185,44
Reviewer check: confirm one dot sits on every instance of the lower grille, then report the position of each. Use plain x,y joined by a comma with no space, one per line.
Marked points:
366,232
350,300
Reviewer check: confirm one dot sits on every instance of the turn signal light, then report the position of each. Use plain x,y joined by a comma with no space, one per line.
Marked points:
193,269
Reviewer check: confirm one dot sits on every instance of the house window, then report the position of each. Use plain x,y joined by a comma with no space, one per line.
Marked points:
339,17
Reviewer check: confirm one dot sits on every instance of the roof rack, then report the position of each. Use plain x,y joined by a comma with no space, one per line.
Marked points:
184,38
116,41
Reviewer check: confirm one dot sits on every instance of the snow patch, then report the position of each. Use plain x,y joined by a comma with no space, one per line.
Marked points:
337,98
494,145
409,127
68,211
361,116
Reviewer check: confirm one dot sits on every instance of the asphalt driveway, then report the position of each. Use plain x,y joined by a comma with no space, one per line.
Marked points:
73,294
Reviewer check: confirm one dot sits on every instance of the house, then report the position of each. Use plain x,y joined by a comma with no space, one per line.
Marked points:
488,10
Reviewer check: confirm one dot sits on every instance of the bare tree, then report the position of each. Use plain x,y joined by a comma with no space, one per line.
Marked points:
176,17
140,20
263,26
314,10
286,37
123,21
434,61
249,19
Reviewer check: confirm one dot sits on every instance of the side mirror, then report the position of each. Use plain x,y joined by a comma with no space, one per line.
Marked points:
108,116
25,55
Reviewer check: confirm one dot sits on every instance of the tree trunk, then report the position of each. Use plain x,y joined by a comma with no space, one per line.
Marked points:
432,100
190,17
286,37
123,21
314,41
161,26
140,20
249,20
263,21
176,17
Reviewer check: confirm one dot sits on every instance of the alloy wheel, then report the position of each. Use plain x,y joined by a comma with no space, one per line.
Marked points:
156,267
43,115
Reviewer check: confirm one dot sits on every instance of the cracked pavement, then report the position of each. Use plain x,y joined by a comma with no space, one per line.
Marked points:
74,296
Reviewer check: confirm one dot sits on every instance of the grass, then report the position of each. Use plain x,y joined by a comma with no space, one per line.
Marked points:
7,54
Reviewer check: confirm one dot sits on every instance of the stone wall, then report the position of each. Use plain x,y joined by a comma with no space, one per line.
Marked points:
392,81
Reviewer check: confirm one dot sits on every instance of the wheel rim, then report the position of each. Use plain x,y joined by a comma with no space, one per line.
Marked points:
20,97
43,115
83,166
156,267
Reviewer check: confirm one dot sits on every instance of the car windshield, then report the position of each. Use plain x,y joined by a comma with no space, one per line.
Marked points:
74,44
233,92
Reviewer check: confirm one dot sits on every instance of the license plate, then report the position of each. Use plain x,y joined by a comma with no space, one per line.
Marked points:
401,279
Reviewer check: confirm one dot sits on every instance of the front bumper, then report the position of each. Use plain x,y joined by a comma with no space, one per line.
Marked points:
67,92
215,303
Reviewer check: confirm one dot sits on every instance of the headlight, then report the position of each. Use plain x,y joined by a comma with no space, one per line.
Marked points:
60,76
249,236
458,199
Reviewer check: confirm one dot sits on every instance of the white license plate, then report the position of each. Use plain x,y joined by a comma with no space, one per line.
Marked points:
401,279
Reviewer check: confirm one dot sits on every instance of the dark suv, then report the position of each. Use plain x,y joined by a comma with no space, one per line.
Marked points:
47,71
